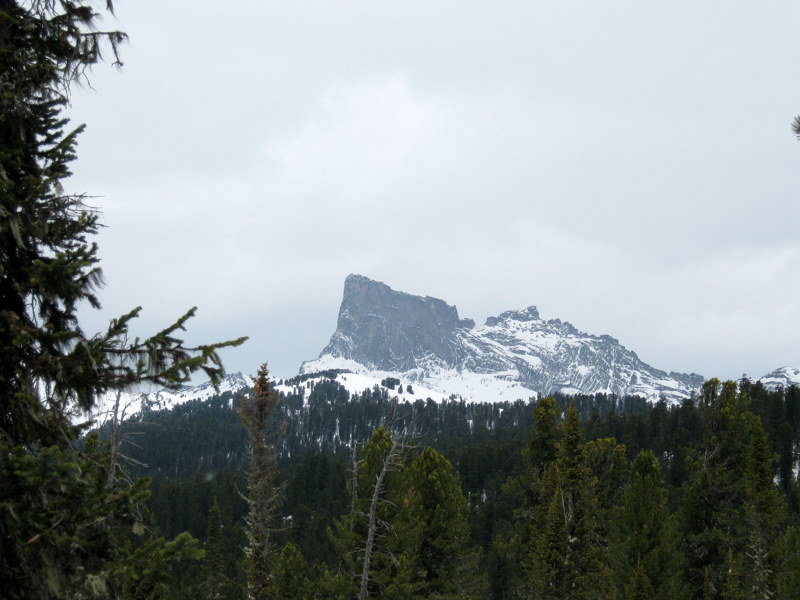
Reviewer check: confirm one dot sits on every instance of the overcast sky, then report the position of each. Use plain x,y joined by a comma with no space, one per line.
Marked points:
625,166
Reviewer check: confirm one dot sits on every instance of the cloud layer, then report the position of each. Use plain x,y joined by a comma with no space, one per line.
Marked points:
626,168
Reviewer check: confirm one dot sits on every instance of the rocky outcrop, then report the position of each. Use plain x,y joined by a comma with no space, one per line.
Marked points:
391,331
422,338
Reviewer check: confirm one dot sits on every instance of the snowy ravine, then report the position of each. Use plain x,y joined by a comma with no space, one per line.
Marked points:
384,333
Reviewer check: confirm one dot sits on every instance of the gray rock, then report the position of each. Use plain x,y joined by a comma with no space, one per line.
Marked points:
390,331
386,330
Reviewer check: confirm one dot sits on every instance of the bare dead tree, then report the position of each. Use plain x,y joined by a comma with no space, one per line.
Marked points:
264,494
400,444
117,437
391,462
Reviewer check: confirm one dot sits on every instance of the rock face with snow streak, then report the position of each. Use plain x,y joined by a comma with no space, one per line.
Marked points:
781,378
517,353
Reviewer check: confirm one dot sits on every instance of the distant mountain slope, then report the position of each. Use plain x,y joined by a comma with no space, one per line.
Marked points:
131,404
382,332
783,377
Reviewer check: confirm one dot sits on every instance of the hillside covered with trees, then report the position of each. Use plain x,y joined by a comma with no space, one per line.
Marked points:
675,500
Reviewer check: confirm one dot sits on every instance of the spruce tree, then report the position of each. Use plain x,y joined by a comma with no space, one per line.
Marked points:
213,562
766,518
62,533
359,536
787,571
570,560
715,503
431,535
530,488
733,511
644,539
258,412
292,578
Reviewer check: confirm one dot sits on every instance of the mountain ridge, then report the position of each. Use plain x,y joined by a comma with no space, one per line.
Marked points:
423,339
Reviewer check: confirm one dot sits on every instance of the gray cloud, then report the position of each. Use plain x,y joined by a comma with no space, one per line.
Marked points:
627,167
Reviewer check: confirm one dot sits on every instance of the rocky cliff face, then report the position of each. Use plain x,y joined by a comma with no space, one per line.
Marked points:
391,331
514,355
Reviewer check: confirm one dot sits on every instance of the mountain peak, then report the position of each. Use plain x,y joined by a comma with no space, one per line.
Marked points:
781,378
514,355
526,314
387,329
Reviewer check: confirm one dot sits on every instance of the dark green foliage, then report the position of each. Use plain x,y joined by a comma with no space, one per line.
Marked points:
644,537
58,524
66,534
787,568
213,562
484,455
146,571
607,461
391,382
70,526
431,535
570,559
529,490
292,579
315,494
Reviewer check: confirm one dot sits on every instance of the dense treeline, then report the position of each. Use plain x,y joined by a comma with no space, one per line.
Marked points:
717,502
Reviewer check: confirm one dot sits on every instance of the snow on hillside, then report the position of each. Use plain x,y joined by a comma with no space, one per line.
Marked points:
382,332
783,377
438,384
358,380
131,404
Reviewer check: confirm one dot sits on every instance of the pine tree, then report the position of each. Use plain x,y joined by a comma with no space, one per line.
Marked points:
384,455
571,560
431,535
733,510
530,488
715,502
787,572
766,517
768,506
263,492
639,586
543,447
213,562
61,533
644,540
292,579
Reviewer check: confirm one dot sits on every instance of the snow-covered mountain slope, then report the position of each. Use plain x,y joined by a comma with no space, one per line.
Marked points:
356,383
384,333
131,404
783,377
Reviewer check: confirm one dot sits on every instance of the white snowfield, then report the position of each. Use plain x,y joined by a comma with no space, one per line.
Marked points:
435,384
356,382
131,404
783,377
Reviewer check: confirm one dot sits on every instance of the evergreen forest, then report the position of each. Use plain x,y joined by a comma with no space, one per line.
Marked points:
323,494
567,497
